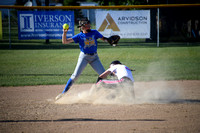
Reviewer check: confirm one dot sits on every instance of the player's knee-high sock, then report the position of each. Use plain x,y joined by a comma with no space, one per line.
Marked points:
68,85
98,79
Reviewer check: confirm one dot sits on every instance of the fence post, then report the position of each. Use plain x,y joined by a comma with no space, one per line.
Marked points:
88,14
47,4
158,39
9,28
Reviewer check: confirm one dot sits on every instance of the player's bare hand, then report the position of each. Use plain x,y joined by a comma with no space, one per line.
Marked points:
65,31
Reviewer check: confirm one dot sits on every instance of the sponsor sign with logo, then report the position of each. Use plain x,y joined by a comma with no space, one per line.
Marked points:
44,24
126,24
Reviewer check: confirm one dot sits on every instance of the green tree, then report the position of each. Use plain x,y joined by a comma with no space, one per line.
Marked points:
121,2
72,2
22,2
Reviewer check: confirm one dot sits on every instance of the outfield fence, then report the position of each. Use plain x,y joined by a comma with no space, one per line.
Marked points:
168,23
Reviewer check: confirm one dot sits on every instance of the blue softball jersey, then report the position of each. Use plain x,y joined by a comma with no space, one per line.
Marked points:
87,41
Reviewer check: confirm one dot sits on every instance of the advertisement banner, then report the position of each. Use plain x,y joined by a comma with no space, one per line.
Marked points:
126,24
44,24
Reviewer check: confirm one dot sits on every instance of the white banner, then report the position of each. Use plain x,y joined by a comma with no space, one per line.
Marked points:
126,24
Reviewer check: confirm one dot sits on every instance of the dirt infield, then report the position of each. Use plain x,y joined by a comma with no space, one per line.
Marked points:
32,109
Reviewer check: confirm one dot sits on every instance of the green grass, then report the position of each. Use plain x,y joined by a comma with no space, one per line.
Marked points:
54,64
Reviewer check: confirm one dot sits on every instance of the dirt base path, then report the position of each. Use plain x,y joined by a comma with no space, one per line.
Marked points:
31,109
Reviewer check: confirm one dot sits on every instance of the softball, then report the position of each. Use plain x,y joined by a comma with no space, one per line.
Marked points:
65,26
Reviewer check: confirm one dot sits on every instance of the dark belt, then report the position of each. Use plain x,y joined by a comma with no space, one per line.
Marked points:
90,53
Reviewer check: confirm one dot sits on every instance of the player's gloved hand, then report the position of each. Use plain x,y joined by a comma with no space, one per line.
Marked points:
112,74
113,40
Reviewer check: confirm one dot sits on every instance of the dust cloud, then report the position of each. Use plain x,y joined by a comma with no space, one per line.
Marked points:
140,93
123,95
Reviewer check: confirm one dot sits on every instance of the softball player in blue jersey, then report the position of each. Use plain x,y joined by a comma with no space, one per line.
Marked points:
87,40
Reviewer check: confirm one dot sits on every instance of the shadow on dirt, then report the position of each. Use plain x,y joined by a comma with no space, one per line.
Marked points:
79,119
186,101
